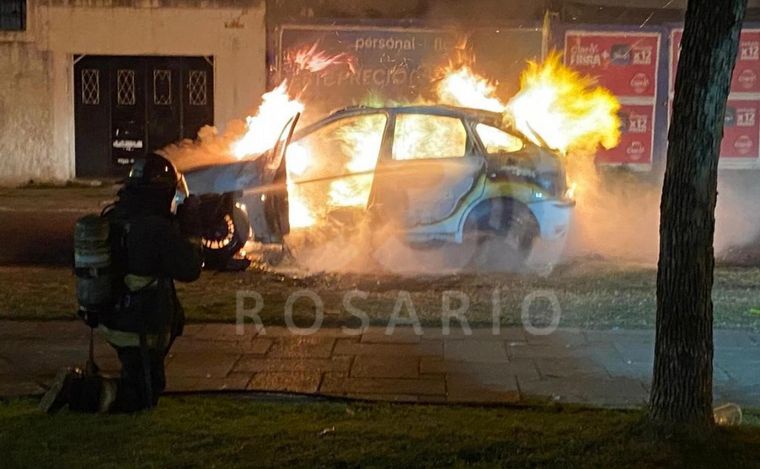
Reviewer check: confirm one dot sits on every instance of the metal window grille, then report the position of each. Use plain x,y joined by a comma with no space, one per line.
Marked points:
90,86
197,87
162,87
12,15
125,87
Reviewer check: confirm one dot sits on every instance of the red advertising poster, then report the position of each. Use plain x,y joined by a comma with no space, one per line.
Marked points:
741,129
636,138
623,62
746,77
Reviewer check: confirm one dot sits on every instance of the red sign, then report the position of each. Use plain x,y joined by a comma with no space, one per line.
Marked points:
746,78
636,138
741,129
623,62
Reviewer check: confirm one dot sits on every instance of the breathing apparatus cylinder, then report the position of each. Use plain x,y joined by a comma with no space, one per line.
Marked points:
93,267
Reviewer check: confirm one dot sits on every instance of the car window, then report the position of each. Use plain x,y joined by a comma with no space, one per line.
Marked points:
338,160
351,144
497,140
419,136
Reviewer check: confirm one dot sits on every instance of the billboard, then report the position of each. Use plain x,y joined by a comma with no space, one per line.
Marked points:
623,62
746,77
636,137
741,130
626,63
397,64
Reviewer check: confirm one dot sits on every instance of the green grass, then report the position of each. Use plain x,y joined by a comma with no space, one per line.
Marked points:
590,294
227,431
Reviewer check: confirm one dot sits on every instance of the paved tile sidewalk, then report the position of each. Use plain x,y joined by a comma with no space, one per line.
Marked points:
608,368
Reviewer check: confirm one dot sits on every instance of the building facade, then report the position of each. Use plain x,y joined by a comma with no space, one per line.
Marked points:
86,85
85,82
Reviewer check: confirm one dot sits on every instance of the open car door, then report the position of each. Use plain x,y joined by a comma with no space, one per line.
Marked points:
267,204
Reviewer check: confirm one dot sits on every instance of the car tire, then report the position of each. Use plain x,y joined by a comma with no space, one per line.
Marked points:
504,232
225,238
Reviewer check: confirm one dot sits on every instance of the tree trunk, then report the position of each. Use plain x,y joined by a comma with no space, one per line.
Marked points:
682,382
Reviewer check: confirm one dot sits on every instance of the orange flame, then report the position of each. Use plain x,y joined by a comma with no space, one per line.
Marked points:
463,87
555,105
263,129
564,109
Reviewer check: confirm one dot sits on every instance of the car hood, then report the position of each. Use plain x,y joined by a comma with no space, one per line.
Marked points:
227,177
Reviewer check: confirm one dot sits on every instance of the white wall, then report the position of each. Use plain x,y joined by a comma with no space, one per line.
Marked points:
36,68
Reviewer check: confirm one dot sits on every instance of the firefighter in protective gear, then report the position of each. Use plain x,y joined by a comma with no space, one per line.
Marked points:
155,248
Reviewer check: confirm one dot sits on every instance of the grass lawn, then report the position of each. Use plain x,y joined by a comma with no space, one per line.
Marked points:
226,431
591,294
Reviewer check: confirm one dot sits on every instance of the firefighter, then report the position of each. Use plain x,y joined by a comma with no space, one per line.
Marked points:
153,248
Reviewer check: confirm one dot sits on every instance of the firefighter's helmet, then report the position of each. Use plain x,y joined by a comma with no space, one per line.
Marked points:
153,171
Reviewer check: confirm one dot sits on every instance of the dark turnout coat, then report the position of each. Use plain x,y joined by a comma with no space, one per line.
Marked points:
157,253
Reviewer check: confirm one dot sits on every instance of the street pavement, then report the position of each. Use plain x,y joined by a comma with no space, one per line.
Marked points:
37,224
604,368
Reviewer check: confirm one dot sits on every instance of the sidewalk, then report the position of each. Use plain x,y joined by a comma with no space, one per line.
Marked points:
607,368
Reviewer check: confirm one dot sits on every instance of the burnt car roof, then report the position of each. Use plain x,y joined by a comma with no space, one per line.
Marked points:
481,115
422,109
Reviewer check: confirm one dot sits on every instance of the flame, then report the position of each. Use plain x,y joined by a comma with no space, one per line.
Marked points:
462,87
561,107
261,133
263,129
360,142
555,106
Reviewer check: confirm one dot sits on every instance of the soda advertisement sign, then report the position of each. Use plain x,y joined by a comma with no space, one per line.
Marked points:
636,138
624,62
741,130
746,78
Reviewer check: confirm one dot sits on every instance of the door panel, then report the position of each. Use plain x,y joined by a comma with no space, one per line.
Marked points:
268,211
92,117
164,102
127,106
128,130
432,167
197,94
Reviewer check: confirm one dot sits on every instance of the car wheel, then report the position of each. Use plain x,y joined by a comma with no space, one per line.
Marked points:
504,233
225,237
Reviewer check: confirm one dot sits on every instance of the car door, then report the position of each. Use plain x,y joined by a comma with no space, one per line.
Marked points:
430,166
267,204
332,164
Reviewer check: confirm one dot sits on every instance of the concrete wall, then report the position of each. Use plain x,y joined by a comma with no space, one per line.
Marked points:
36,67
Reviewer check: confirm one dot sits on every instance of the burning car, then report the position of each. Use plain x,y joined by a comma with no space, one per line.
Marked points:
438,175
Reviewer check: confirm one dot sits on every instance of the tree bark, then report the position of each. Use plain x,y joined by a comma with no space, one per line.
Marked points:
682,383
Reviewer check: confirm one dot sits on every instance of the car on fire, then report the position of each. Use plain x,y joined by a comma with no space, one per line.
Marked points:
443,175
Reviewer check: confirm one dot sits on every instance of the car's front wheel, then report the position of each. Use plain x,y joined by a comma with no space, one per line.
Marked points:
225,236
504,232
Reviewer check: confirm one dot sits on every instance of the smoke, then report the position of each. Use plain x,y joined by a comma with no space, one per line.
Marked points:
372,247
617,215
207,149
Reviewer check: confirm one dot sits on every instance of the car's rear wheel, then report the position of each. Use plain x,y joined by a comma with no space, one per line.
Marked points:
504,231
225,237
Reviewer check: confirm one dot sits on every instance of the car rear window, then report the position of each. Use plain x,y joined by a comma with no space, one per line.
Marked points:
422,136
498,141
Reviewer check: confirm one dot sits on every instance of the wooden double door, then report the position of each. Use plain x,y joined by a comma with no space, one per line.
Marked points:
128,106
